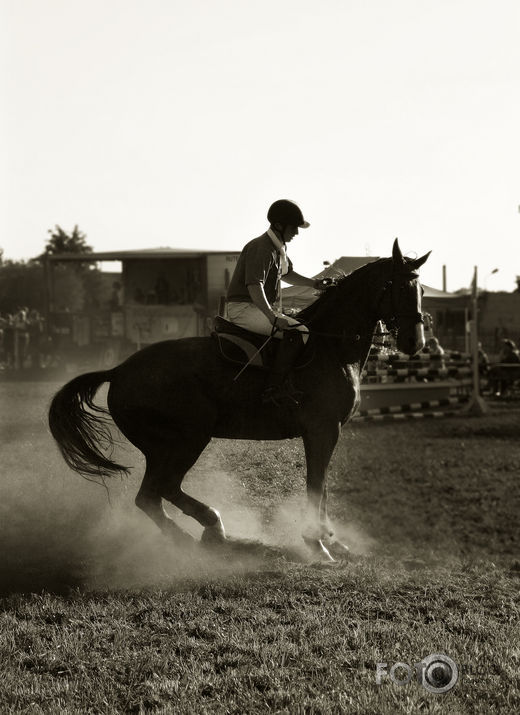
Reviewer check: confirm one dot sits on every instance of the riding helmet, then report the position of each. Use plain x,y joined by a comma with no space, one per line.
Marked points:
287,213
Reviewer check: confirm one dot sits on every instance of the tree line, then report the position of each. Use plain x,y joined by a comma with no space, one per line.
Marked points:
75,285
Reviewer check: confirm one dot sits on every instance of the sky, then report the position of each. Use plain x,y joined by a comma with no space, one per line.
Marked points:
154,123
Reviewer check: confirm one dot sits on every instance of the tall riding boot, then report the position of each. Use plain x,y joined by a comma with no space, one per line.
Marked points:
279,389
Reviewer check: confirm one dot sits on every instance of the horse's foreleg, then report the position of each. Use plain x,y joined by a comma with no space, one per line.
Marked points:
319,445
326,528
335,547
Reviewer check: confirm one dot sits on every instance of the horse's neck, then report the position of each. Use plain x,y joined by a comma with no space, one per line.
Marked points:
349,326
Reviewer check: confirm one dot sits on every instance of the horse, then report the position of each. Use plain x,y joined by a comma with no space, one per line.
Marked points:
170,398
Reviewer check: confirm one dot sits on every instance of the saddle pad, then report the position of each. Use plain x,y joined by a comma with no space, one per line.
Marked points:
251,354
225,327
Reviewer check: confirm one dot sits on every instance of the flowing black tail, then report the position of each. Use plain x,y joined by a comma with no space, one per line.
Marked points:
80,427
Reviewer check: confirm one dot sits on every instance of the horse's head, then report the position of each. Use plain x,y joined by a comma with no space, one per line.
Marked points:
399,304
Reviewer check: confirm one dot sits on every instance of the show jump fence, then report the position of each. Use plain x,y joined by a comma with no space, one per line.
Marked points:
395,387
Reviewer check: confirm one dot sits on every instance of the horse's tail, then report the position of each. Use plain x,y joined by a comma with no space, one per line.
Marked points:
80,427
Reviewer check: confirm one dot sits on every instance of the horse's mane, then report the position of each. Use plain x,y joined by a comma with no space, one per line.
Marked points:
345,284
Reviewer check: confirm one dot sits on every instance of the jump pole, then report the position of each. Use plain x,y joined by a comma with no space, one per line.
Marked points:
476,405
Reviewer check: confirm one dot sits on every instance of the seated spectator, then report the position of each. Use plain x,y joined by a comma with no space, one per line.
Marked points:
483,361
433,347
509,352
3,323
115,297
35,324
139,296
21,336
503,376
162,290
9,340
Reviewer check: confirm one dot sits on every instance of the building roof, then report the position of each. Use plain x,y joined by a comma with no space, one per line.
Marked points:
430,292
140,254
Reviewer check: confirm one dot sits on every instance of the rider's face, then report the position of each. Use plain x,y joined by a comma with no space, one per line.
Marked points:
289,233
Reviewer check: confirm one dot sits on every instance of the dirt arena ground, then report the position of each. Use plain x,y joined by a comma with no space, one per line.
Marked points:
430,508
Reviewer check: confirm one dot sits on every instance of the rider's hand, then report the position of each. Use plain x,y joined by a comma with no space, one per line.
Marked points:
323,283
281,323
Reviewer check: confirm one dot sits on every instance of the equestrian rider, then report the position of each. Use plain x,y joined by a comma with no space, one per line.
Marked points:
255,286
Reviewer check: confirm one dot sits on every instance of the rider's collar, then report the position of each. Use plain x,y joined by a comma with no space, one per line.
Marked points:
281,248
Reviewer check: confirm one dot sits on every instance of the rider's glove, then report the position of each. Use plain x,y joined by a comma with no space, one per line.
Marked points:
323,283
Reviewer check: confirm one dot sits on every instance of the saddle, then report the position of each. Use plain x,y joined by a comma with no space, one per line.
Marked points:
242,346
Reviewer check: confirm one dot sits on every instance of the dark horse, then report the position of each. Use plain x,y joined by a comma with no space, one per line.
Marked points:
171,398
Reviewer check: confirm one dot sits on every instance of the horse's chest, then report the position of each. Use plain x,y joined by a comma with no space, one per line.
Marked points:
337,392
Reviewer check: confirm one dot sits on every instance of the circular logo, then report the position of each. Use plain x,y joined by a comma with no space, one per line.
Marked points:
440,673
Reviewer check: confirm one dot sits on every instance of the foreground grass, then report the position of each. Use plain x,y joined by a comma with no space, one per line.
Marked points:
285,640
101,615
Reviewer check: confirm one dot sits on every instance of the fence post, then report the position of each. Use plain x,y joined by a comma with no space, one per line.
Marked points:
476,405
16,349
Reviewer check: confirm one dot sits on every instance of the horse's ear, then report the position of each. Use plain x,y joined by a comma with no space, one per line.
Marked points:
415,265
397,256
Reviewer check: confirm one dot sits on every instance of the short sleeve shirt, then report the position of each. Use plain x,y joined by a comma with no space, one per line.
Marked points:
259,263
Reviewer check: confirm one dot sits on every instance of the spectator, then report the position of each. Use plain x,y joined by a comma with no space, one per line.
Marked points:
433,347
35,329
509,352
21,336
483,361
9,340
162,290
139,296
115,298
503,375
3,323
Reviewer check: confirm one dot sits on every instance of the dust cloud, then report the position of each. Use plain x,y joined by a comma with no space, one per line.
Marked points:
59,530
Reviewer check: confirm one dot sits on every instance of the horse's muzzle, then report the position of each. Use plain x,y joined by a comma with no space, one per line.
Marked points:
413,342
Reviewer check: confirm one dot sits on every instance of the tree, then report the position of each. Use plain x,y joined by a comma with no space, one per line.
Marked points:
62,242
21,284
76,284
517,289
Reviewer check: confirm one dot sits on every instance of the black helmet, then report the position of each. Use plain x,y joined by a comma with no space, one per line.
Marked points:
287,213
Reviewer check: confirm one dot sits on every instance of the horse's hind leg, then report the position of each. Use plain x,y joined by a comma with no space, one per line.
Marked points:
149,500
166,468
206,515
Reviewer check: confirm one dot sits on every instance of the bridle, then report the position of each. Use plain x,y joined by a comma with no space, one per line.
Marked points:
390,292
392,289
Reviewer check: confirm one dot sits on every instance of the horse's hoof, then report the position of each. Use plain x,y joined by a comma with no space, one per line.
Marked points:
212,537
215,534
339,551
319,551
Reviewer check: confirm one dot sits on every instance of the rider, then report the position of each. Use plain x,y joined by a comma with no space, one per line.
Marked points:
255,286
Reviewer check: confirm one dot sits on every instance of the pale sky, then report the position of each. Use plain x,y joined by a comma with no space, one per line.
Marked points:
165,123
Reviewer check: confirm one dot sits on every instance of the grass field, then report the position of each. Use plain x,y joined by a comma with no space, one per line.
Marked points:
100,614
